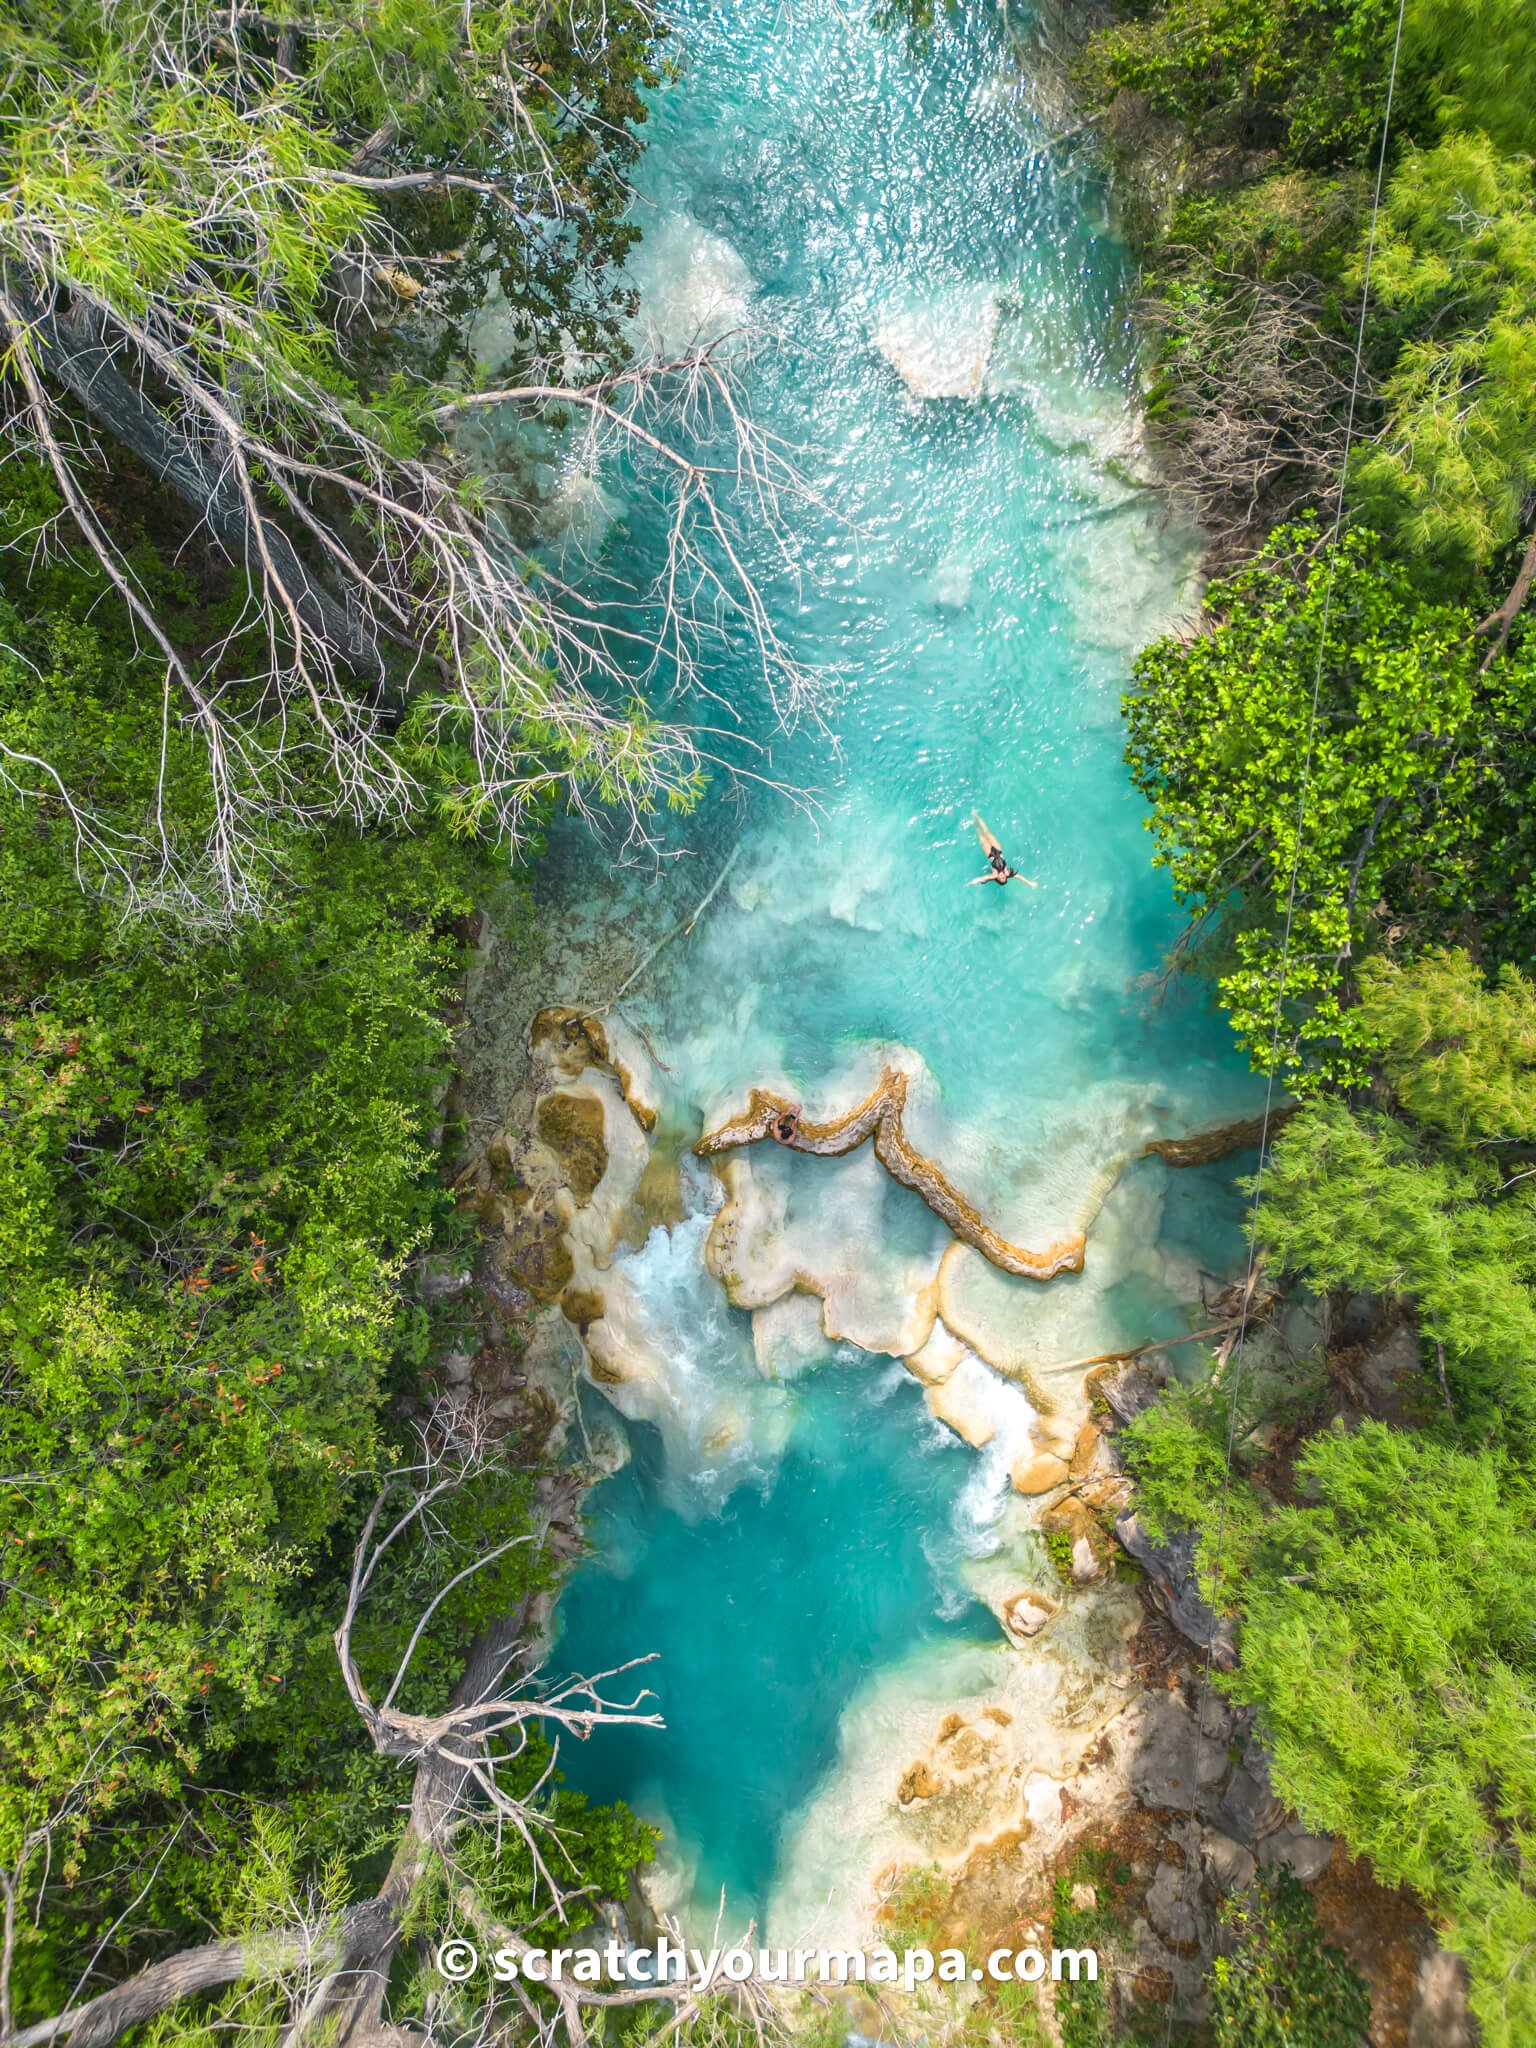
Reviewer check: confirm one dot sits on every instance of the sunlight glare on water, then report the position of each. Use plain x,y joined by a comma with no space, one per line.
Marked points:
986,563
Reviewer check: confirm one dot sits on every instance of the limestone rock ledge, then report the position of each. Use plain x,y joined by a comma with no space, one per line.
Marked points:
879,1116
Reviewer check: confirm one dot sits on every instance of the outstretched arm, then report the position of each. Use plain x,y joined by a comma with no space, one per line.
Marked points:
987,877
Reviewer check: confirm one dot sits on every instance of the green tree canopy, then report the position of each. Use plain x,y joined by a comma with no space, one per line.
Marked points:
1404,815
1454,467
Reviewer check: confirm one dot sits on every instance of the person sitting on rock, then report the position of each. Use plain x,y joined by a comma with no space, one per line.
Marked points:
998,869
786,1125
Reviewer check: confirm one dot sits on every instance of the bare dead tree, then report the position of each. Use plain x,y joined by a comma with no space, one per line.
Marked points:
487,1724
326,1968
379,581
1253,394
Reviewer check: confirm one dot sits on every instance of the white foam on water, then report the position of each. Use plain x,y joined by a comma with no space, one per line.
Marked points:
690,1368
694,287
940,344
980,1519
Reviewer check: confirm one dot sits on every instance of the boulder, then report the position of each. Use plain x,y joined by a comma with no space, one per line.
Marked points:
1308,1855
918,1782
1069,1517
1249,1809
1440,2017
1226,1864
940,1357
1161,1766
1039,1474
1170,1567
1171,1906
1024,1614
961,1404
1083,1451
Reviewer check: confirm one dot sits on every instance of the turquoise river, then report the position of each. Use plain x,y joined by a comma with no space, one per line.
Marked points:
811,1536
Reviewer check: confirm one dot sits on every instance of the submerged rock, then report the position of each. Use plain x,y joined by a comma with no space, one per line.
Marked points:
942,348
565,1042
573,1125
582,1305
537,1253
694,287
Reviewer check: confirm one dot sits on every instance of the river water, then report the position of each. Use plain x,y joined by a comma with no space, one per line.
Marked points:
809,1550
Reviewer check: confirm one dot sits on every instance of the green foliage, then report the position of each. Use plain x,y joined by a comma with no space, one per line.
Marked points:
1419,1203
914,1910
1386,1636
1455,464
239,162
1177,1450
1481,55
1458,1052
1292,220
1404,811
1280,1983
1084,2012
213,1180
1284,74
1387,1645
1445,463
267,231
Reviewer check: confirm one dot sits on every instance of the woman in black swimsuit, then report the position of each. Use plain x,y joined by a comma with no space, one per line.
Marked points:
998,869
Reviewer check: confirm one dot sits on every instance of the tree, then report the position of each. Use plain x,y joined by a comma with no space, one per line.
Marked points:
1429,1203
1384,1589
1391,819
1277,75
1454,466
1481,55
221,234
1387,1645
323,1975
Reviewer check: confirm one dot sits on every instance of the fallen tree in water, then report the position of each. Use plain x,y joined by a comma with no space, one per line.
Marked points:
879,1116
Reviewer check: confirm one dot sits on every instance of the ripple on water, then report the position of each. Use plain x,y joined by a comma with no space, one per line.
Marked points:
806,1547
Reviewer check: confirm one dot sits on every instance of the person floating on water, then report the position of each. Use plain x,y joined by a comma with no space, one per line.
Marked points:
998,869
786,1125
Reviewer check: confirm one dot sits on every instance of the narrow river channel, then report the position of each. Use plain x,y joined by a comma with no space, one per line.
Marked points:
818,1556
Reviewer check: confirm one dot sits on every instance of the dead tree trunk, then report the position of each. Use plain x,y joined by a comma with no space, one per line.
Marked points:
70,346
